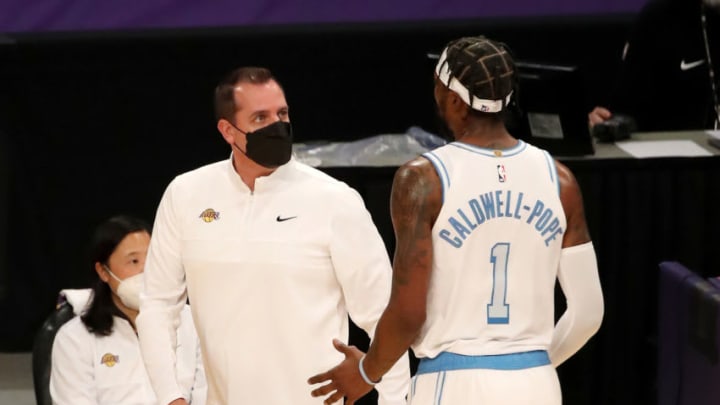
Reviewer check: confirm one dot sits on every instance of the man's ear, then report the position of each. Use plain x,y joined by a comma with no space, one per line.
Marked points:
225,129
459,108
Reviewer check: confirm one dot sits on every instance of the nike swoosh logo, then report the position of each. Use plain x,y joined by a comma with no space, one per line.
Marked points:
687,66
283,219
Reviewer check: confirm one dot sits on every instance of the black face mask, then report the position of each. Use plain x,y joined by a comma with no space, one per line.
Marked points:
269,146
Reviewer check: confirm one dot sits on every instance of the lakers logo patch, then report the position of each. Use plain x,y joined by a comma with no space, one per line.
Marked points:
109,359
210,215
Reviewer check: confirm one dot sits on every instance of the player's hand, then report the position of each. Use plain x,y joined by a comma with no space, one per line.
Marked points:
343,380
179,401
598,115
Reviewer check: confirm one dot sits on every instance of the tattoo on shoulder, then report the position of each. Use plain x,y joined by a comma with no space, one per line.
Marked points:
415,204
413,187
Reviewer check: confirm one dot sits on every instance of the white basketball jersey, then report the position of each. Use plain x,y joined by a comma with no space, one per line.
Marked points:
496,247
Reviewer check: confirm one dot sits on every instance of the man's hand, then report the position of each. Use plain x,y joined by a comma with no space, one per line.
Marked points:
179,401
344,379
598,115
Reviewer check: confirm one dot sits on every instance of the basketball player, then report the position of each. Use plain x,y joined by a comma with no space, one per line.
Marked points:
484,226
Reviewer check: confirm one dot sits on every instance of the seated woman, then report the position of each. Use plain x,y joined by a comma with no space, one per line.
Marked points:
96,357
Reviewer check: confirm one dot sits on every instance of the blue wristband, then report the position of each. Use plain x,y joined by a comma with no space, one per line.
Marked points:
364,376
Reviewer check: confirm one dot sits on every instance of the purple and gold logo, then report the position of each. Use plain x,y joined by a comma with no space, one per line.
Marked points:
109,359
210,215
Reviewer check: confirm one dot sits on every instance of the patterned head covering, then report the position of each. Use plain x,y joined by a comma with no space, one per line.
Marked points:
480,71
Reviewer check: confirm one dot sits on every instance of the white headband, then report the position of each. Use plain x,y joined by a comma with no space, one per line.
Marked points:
443,73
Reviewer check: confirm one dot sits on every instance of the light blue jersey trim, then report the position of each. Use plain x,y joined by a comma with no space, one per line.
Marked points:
491,152
552,168
447,361
441,171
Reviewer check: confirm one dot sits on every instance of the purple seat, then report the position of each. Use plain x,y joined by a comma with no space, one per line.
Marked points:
670,317
688,330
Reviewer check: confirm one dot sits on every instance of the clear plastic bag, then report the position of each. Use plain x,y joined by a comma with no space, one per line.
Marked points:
379,150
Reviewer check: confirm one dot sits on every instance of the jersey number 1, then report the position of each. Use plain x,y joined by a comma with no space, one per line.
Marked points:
498,311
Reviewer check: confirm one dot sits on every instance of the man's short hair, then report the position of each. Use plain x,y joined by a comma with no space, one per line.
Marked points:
481,71
224,101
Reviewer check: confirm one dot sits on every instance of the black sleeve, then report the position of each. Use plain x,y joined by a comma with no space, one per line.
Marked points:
637,88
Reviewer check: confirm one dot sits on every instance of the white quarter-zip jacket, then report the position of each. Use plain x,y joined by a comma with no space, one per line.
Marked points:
271,275
109,370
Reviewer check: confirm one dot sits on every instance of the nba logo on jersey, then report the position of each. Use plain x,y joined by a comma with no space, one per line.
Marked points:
502,176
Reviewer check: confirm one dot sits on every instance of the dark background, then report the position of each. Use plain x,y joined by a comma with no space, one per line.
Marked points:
97,123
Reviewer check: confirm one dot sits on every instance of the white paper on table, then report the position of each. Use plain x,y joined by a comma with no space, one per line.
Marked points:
651,149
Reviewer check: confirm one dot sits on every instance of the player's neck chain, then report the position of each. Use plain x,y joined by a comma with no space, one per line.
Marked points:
711,69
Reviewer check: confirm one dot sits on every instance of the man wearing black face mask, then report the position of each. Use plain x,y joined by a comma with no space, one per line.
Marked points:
272,254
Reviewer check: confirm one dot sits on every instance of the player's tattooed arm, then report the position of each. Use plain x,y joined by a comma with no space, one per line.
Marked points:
414,205
415,202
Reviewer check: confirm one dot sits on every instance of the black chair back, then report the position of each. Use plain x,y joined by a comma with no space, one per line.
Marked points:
42,351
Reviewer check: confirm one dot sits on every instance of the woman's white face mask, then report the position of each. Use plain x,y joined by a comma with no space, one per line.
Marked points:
129,289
